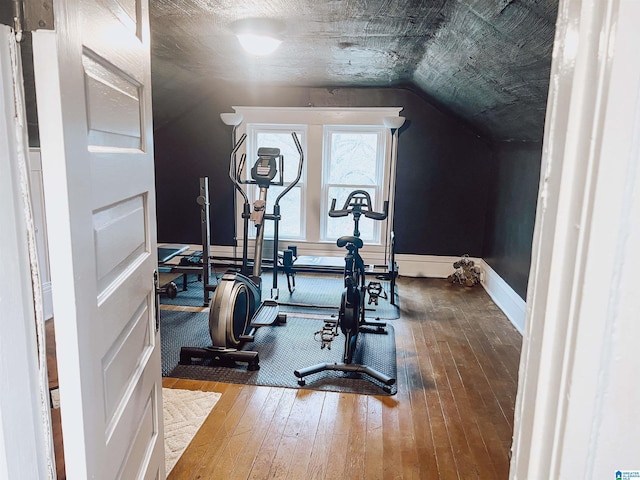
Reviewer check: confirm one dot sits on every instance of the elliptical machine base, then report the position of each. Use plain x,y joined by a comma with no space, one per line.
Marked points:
238,298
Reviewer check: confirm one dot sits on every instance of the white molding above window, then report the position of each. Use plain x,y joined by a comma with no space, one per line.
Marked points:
318,115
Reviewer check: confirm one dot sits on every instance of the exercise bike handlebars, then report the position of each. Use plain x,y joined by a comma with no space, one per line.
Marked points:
358,202
377,215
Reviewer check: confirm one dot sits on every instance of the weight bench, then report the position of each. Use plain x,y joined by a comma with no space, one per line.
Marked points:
166,253
167,272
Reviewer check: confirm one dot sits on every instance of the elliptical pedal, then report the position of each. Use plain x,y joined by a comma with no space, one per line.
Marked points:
268,314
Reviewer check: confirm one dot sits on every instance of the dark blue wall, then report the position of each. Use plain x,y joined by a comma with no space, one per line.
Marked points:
442,175
511,211
456,193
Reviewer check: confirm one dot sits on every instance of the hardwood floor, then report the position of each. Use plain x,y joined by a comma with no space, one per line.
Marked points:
52,373
452,417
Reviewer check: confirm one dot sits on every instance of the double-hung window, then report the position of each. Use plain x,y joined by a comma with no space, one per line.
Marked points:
353,159
292,211
345,149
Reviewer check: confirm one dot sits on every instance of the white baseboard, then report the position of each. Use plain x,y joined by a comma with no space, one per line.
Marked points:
372,254
514,307
435,266
432,266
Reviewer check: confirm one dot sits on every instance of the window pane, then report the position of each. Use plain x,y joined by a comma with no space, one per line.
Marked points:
337,227
283,141
290,225
291,204
353,158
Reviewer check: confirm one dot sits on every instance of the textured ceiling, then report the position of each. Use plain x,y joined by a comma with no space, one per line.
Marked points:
485,61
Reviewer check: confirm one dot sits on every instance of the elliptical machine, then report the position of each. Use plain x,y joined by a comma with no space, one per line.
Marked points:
236,309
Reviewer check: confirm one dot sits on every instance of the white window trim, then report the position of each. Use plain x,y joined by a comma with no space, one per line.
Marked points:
315,118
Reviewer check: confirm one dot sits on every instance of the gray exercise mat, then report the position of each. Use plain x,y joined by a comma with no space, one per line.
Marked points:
282,349
314,293
193,296
322,294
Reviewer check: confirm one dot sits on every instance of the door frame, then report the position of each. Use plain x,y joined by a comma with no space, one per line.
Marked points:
579,331
26,442
540,434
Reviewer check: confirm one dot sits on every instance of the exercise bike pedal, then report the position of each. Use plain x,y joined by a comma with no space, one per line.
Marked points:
268,314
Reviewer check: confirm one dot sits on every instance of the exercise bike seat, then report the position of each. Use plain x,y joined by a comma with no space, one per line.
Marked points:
355,241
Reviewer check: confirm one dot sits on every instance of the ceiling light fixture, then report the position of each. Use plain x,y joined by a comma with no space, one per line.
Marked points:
258,36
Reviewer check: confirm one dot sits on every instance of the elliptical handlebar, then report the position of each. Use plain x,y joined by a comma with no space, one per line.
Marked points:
295,182
358,202
234,172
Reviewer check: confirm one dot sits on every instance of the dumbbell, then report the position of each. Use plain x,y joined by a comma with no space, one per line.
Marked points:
170,290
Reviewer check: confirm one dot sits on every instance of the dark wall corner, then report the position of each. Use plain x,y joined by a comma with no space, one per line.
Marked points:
511,211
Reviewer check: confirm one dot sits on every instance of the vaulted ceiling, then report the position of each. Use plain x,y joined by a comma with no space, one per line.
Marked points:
485,61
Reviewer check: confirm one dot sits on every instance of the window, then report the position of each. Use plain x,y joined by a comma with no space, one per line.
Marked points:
353,160
292,204
345,149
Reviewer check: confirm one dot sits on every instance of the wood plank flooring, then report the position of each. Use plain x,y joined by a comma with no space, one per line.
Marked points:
52,373
452,418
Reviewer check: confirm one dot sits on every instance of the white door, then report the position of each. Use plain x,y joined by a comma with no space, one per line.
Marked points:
94,109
